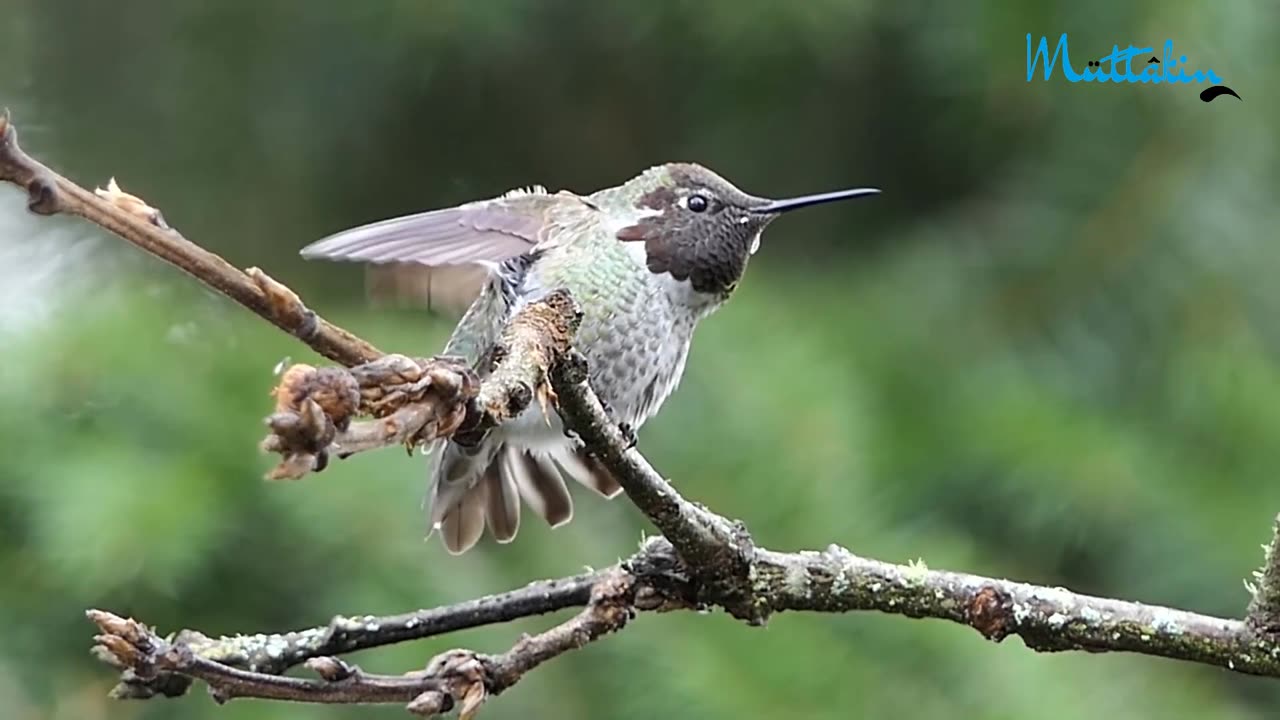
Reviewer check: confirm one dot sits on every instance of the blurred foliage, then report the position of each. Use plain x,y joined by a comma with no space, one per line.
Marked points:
1048,351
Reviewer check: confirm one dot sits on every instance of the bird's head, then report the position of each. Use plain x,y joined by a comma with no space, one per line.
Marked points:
696,225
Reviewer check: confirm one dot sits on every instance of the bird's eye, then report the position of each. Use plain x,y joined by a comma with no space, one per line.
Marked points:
698,203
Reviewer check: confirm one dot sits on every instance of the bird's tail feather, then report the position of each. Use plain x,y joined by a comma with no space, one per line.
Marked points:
588,471
502,513
475,487
462,526
459,494
540,484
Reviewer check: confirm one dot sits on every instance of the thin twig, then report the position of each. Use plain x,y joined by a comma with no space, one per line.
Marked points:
125,215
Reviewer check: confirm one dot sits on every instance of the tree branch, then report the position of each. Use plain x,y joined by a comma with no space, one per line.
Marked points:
720,549
459,678
276,653
703,559
655,578
133,220
1047,619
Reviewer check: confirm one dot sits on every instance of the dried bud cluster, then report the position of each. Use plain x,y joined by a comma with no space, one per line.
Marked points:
413,402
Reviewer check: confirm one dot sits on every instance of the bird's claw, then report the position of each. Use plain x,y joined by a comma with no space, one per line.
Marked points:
628,434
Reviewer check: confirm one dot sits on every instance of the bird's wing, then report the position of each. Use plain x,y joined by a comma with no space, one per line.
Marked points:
486,231
441,258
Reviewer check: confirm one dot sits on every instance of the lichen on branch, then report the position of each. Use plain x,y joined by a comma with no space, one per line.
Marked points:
1264,609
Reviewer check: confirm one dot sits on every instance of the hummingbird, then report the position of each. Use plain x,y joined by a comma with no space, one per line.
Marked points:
646,261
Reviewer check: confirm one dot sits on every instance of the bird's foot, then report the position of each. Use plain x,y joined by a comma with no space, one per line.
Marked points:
628,434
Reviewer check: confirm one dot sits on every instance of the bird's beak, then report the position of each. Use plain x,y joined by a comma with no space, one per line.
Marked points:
780,206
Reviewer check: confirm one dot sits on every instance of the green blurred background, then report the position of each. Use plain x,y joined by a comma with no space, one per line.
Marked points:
1048,351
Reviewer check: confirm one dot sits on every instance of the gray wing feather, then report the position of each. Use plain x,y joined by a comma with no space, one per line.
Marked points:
439,237
441,258
484,231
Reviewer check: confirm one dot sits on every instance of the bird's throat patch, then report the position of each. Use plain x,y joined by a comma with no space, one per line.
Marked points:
689,248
